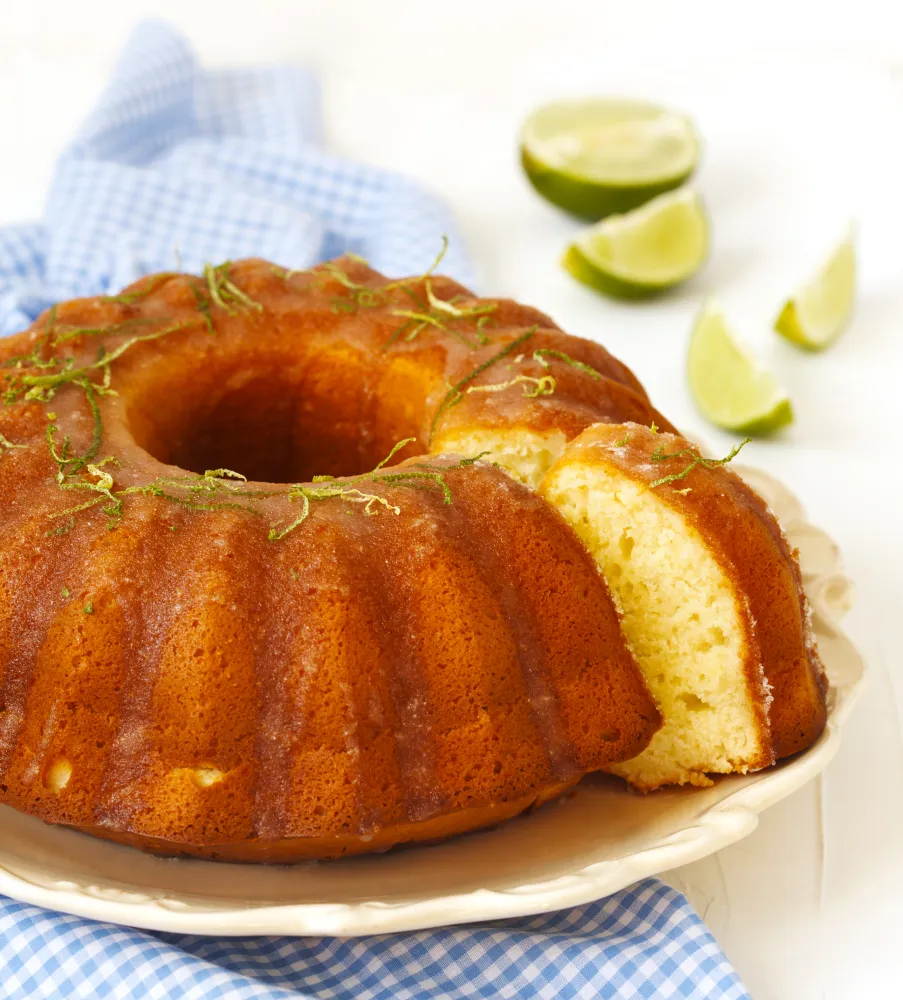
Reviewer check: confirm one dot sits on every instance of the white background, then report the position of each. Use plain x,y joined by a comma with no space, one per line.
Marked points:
801,108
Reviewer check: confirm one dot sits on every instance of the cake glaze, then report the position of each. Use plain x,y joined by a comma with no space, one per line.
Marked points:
188,666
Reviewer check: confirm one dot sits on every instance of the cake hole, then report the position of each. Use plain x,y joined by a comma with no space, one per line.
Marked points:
204,777
712,637
625,544
610,735
694,703
272,419
57,774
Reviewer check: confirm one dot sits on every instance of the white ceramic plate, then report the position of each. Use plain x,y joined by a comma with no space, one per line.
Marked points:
599,840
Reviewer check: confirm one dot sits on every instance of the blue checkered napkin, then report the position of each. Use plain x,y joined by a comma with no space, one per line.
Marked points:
224,165
644,943
182,163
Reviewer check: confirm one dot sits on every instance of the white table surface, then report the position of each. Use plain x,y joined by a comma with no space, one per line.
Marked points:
801,107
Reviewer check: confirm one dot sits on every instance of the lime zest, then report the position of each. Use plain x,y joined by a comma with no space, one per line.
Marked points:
454,395
548,352
225,293
696,460
542,386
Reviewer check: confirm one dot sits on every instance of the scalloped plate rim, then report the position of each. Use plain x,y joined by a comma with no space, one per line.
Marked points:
722,823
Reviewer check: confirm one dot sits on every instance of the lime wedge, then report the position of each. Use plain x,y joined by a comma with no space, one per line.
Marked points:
596,157
727,385
818,313
645,251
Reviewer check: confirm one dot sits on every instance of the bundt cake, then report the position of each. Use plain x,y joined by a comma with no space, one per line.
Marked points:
710,596
232,626
255,669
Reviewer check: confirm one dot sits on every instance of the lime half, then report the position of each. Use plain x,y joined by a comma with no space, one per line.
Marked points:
727,385
597,157
645,251
818,313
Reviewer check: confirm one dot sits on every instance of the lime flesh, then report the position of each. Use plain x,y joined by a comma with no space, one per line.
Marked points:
727,385
819,312
644,252
597,157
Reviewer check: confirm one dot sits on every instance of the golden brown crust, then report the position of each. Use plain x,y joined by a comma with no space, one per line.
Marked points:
312,338
292,849
458,682
748,542
398,677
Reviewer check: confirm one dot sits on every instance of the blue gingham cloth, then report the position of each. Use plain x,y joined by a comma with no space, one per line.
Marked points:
645,942
179,163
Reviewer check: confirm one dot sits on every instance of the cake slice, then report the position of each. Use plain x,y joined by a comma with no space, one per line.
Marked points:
711,601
